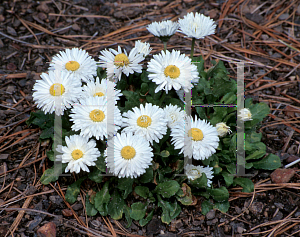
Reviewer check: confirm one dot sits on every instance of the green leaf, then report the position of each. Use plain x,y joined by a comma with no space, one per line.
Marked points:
170,210
219,194
144,76
138,210
228,178
145,221
174,101
229,98
199,182
222,206
259,111
142,191
271,162
41,119
168,188
231,168
90,209
47,133
218,115
126,211
100,163
256,155
73,191
102,199
246,183
52,174
148,176
132,96
206,206
199,62
253,137
202,85
150,99
116,206
96,176
144,89
125,184
187,197
50,155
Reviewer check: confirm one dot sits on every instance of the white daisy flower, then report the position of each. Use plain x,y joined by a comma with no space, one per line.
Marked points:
245,114
222,129
196,138
194,172
172,70
104,89
91,117
56,91
128,155
77,62
142,48
174,115
196,26
164,28
148,122
79,153
117,62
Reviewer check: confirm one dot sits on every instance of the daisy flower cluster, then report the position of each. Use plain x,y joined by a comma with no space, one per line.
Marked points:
93,104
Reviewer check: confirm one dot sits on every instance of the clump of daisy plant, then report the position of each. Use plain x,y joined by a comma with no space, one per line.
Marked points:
123,126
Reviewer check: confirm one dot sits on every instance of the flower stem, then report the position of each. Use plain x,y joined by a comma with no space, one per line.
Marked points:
192,48
162,98
165,45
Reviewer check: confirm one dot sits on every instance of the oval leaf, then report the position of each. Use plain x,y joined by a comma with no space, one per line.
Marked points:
168,188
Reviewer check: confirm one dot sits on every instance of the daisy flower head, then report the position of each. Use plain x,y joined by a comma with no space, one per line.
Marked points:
104,89
56,91
147,121
117,62
164,29
75,61
194,172
128,155
172,70
79,153
245,114
95,116
223,129
196,138
174,115
196,26
142,48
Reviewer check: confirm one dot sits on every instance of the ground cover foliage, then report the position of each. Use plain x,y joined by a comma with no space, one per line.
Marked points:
162,185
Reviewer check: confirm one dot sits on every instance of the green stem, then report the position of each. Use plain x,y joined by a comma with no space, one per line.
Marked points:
162,98
165,45
192,48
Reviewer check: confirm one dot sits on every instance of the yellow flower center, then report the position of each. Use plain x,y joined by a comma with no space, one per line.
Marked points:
72,66
77,154
128,152
98,94
144,121
196,134
172,71
173,118
121,60
57,89
196,172
97,115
